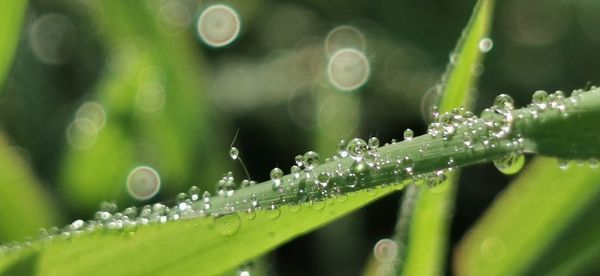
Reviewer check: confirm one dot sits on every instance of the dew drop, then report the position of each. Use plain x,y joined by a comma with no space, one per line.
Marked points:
143,183
299,159
276,175
408,134
310,160
385,250
323,179
563,164
594,163
493,249
273,212
318,205
373,142
540,99
234,153
357,148
295,208
512,163
206,200
342,148
228,225
218,25
348,69
504,102
295,171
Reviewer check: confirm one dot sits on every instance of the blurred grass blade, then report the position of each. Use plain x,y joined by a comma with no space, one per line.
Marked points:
24,207
157,113
546,222
430,220
11,20
188,247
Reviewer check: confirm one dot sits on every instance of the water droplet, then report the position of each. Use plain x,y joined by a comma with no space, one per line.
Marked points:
348,69
485,45
563,164
408,134
540,99
310,160
373,142
295,208
357,148
594,163
276,177
323,179
342,148
206,200
493,249
385,250
250,214
318,205
218,25
233,153
295,171
511,163
273,212
504,102
228,225
143,183
299,159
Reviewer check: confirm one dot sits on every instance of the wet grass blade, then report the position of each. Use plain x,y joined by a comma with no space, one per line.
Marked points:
544,223
199,244
430,220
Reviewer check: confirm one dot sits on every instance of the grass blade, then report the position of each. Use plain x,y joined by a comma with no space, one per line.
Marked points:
24,206
535,212
210,236
11,19
427,237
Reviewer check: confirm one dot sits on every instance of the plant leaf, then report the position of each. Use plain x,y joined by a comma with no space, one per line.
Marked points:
107,240
11,20
525,231
429,223
24,206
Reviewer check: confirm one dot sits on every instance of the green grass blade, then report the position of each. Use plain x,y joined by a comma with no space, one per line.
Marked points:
535,212
428,233
193,243
11,20
24,207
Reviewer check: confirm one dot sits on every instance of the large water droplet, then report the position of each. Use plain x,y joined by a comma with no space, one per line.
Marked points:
511,163
504,102
373,142
310,160
540,99
276,176
233,153
228,225
357,148
408,134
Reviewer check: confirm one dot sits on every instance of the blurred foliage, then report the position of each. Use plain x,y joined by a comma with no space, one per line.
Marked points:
270,84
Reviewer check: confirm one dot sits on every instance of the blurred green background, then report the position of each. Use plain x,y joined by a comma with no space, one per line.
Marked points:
96,88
